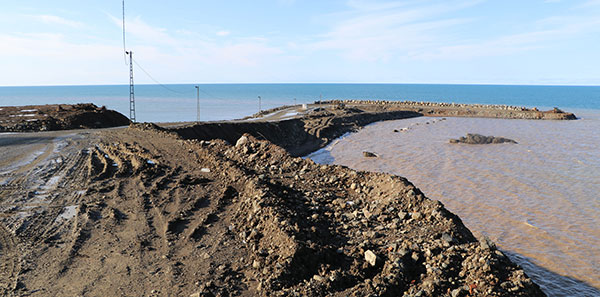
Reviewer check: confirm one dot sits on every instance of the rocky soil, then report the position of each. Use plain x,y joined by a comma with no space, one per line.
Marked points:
481,139
457,109
299,136
143,212
58,117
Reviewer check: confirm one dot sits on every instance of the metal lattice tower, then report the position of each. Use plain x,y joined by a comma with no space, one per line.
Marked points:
131,91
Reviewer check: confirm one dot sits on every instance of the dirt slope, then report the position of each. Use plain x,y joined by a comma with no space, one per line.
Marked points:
299,136
140,212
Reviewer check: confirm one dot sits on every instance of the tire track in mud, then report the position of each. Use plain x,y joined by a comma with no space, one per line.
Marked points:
11,191
32,200
49,199
9,261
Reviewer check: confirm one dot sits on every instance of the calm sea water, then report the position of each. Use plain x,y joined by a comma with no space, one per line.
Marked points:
228,101
539,199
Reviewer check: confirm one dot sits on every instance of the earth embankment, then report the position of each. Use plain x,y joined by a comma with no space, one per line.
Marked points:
34,118
298,136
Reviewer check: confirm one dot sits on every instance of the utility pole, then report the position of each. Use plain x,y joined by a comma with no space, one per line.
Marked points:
131,92
259,99
197,104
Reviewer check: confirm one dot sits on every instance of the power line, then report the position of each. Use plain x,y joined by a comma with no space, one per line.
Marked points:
131,89
125,53
156,81
211,95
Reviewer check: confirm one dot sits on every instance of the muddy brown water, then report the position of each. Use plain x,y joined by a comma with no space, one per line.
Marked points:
538,200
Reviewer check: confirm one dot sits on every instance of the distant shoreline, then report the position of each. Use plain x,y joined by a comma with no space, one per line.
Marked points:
302,129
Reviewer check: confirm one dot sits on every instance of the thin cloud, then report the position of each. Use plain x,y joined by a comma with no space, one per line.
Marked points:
381,30
53,19
286,2
423,30
589,3
178,48
558,29
138,28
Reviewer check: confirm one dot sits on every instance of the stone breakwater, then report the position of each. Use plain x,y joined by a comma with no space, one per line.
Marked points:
459,109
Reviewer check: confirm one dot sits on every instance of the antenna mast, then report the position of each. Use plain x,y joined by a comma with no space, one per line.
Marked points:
131,92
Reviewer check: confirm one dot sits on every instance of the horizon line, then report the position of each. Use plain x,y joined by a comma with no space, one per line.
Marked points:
307,83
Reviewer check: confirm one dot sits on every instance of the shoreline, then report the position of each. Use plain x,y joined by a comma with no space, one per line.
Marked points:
311,128
231,214
507,192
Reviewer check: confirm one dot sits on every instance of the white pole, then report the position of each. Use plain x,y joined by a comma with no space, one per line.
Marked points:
197,103
259,99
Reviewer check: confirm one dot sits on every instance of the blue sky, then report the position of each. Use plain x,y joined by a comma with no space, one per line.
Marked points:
66,42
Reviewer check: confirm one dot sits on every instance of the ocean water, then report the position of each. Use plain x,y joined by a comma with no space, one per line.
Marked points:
173,103
539,200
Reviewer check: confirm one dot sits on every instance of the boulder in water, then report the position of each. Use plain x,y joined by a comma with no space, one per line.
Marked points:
481,139
369,155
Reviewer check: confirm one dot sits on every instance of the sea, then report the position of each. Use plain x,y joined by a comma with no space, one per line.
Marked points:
539,200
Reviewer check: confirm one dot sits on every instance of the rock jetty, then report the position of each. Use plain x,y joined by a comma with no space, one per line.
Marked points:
458,109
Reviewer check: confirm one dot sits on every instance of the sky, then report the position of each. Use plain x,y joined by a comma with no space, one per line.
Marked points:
75,42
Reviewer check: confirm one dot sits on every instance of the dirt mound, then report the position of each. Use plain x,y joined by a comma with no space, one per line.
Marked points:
298,136
481,139
58,117
144,213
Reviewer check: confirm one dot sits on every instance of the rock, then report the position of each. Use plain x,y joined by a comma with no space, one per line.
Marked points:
456,292
241,141
447,238
369,155
371,258
401,215
486,243
481,139
416,215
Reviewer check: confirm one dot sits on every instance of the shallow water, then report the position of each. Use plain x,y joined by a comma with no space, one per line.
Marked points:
539,200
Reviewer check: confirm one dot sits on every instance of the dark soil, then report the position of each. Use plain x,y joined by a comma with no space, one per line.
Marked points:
58,117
